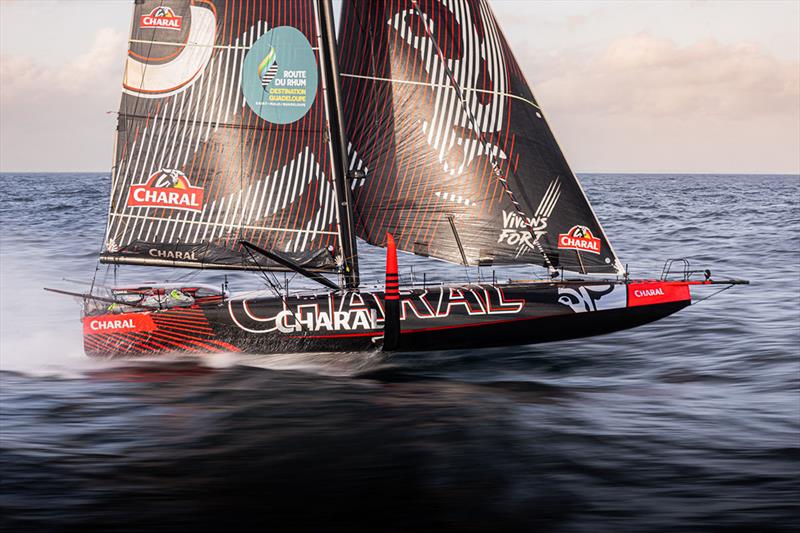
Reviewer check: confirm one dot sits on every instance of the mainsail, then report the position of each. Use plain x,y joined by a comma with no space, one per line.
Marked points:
460,162
224,135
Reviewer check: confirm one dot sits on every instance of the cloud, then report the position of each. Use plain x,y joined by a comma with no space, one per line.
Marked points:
54,115
650,76
23,78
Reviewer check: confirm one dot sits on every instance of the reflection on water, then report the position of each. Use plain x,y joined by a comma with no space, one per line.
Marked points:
688,423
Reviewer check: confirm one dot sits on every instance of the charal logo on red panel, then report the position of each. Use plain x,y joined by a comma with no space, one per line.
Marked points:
579,238
162,17
121,323
167,188
657,293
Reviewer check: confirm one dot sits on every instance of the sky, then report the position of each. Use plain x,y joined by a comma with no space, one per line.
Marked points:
691,86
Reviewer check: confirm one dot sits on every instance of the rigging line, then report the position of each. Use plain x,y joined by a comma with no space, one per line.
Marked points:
275,286
442,86
713,294
487,146
138,100
263,273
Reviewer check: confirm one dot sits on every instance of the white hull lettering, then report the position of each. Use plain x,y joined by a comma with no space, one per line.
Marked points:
644,293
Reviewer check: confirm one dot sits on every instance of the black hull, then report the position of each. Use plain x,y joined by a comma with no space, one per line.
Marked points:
545,329
432,318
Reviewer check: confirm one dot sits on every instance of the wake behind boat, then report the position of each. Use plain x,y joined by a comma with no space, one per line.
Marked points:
241,146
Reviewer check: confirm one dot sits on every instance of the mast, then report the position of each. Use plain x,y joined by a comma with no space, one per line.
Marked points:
339,144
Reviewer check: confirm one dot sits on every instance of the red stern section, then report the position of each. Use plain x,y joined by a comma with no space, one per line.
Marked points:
657,293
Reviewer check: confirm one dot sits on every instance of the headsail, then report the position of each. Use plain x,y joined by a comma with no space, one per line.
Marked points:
223,136
460,161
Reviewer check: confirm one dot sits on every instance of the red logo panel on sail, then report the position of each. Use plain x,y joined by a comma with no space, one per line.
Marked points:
162,17
121,323
579,238
657,293
167,188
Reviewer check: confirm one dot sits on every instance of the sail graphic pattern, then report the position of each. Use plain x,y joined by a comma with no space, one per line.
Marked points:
222,137
457,147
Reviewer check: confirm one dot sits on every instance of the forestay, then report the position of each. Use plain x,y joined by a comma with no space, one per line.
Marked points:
222,137
454,145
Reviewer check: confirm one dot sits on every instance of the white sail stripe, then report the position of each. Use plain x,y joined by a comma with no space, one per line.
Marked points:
194,135
331,148
293,177
556,195
166,161
499,79
252,207
225,211
236,75
275,182
351,153
238,65
226,215
147,138
328,193
213,226
305,236
272,206
204,113
249,45
302,166
445,135
180,158
235,211
552,200
226,90
214,101
120,187
201,223
545,196
158,150
149,170
197,94
311,169
177,128
322,194
439,104
547,200
258,212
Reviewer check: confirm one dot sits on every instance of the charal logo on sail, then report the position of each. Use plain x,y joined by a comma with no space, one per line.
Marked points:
168,188
579,238
162,17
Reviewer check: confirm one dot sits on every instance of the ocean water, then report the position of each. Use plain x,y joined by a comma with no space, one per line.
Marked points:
691,423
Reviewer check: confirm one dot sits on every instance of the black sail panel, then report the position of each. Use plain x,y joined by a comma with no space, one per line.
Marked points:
222,137
454,146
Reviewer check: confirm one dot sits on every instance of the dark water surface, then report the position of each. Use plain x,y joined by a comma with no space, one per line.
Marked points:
689,423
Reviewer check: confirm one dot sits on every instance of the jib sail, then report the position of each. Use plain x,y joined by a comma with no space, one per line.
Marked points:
223,136
454,145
